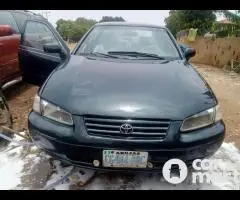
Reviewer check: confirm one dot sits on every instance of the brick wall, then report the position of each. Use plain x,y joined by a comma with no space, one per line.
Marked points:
218,52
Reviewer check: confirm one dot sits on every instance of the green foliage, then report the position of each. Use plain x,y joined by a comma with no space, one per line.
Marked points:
72,31
173,23
236,66
185,19
221,33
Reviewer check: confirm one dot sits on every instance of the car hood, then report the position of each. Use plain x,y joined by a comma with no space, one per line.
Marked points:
120,87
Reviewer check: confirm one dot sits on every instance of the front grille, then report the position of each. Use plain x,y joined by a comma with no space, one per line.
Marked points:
142,128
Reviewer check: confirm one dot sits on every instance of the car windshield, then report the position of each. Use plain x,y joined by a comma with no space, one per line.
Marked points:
129,41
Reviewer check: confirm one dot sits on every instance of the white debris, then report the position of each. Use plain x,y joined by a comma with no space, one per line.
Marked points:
11,167
34,148
19,138
60,172
12,164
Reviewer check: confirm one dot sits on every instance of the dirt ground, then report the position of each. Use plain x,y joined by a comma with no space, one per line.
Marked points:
71,45
20,99
225,84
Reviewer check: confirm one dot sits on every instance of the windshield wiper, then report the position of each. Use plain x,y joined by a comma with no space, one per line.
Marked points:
102,54
137,54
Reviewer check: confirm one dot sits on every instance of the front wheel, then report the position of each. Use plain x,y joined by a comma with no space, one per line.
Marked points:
5,118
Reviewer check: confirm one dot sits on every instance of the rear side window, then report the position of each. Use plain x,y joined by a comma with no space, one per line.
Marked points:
37,34
20,19
6,18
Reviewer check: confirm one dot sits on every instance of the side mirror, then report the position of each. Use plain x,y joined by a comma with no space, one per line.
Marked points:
54,48
189,52
183,47
5,30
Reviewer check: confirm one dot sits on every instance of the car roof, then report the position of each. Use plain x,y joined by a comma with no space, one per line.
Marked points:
129,24
30,14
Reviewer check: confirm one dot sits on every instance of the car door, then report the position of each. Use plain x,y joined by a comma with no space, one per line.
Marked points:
35,63
9,43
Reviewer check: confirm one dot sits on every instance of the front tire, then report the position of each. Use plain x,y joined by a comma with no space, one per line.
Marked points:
5,118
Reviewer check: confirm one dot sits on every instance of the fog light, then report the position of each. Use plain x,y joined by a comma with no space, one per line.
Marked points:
96,163
150,165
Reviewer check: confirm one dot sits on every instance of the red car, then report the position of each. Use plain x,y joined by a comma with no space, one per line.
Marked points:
9,63
23,37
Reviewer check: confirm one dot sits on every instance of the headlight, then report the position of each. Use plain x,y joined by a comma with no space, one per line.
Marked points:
51,111
36,104
201,119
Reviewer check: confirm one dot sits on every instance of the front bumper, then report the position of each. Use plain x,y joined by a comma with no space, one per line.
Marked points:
74,146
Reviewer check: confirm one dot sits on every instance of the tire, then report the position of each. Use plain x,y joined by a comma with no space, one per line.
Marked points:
5,118
5,108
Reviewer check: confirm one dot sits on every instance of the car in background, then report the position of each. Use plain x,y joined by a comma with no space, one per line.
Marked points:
9,63
121,104
22,52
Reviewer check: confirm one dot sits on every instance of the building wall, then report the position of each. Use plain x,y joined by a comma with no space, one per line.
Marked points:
218,52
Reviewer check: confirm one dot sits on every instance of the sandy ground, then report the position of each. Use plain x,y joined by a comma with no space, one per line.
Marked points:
226,86
71,45
27,168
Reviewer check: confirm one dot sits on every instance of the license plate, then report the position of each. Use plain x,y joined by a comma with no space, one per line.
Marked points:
125,159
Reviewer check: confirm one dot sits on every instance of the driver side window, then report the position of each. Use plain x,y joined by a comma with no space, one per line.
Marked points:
37,34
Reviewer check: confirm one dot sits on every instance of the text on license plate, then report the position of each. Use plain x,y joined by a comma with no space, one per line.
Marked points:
125,159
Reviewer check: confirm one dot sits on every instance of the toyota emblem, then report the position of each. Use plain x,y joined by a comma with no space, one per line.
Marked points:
126,128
